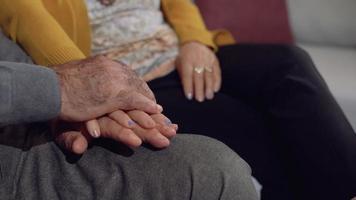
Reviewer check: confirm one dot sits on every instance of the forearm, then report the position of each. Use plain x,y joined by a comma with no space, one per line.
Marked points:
29,93
187,21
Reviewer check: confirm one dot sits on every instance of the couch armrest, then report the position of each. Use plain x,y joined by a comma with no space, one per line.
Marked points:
328,22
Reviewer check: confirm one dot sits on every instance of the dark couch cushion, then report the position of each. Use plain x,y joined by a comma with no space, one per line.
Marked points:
250,21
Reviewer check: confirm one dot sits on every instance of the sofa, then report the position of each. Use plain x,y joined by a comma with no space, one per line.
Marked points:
326,29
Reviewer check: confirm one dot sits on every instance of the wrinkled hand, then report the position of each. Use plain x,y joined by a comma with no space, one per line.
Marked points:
154,129
199,71
96,86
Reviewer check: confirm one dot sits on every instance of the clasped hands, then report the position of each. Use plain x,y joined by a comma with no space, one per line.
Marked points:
103,98
111,101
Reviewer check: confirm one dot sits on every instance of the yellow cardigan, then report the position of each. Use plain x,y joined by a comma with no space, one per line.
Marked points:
58,31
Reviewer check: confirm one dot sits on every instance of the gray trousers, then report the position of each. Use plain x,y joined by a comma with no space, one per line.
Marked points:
32,166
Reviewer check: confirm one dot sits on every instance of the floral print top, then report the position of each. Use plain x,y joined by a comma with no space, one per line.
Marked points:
134,32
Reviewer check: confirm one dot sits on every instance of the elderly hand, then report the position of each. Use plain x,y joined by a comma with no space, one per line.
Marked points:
74,137
199,71
96,86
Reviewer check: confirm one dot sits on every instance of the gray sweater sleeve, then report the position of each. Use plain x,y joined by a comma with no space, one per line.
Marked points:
28,93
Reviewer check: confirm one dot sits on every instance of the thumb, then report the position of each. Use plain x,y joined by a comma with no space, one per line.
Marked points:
73,141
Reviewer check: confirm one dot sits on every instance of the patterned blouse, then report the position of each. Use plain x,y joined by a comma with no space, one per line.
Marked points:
135,33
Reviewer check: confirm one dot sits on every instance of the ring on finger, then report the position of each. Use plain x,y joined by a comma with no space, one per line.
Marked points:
209,69
199,70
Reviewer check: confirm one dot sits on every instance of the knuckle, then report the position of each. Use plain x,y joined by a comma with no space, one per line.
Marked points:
100,58
125,99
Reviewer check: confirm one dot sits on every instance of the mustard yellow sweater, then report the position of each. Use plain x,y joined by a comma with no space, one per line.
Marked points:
58,31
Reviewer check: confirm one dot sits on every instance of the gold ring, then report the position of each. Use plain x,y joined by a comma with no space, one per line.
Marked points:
209,69
199,70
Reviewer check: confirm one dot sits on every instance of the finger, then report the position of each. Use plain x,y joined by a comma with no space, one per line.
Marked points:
175,127
93,128
137,101
142,119
146,91
73,141
122,118
209,83
152,136
164,125
186,76
199,86
111,129
217,75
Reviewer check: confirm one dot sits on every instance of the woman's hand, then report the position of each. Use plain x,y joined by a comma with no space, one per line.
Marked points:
131,128
155,129
199,71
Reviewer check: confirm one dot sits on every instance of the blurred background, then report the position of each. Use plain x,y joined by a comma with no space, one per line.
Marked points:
326,29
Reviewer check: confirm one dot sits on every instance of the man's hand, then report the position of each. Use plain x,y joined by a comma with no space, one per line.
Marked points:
199,71
96,86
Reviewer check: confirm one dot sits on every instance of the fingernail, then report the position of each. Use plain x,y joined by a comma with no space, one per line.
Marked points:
189,96
133,137
175,126
160,108
216,89
162,138
168,122
209,95
131,123
172,130
95,134
200,99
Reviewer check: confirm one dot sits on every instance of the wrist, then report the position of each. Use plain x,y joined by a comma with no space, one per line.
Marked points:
209,45
198,43
63,95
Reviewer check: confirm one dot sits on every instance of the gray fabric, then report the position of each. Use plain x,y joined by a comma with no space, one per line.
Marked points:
11,52
29,93
328,22
193,167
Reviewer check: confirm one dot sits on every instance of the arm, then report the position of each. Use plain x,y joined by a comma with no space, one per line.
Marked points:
187,21
29,93
194,56
31,25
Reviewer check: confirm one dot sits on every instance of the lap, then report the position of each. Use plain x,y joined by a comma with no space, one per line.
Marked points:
40,170
230,120
278,112
109,170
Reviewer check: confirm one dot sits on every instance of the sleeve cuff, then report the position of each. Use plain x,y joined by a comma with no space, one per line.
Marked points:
60,55
202,36
34,94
